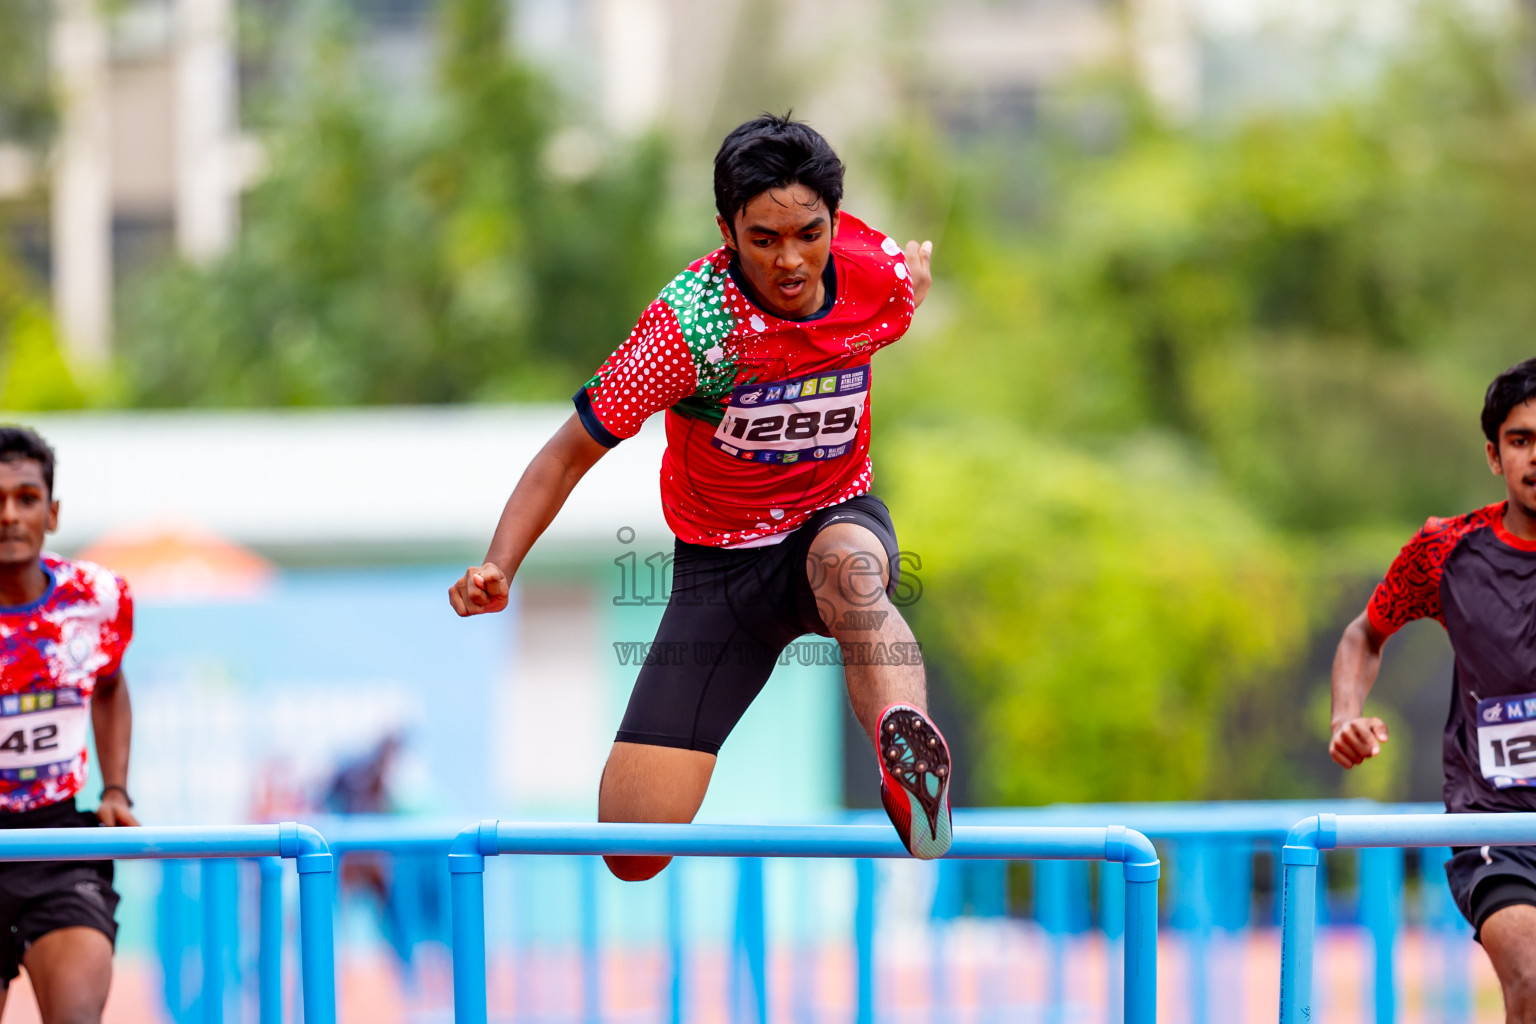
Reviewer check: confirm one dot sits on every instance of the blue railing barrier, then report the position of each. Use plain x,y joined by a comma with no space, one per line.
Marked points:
1209,849
1216,858
860,842
1321,832
213,845
418,848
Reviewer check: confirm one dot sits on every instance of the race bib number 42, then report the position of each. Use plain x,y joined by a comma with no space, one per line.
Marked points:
41,734
812,417
1506,740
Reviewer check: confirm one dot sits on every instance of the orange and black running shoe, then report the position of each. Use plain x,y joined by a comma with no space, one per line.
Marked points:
914,780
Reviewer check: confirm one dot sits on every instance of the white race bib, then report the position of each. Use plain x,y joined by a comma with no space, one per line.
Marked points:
41,734
812,417
1506,740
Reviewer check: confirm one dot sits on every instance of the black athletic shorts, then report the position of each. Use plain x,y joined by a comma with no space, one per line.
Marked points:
1488,878
37,897
730,615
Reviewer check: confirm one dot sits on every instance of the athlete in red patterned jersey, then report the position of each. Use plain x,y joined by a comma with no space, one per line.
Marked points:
63,629
52,653
760,355
1476,575
787,400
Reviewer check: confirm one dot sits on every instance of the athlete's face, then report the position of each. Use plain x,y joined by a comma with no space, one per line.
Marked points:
783,238
27,513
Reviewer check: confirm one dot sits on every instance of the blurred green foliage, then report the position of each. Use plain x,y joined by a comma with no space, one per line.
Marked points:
26,100
396,258
1306,306
1107,607
34,374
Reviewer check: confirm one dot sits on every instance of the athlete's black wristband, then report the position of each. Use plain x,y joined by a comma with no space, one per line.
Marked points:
121,789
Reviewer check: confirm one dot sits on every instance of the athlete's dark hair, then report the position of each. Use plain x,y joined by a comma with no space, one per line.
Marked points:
21,443
774,152
1508,390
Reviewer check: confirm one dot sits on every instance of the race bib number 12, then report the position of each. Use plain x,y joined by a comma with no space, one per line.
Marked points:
1506,740
812,417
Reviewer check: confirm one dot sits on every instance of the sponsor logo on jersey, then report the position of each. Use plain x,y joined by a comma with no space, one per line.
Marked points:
1515,709
729,450
819,453
1493,713
751,397
791,391
791,457
774,394
808,388
828,385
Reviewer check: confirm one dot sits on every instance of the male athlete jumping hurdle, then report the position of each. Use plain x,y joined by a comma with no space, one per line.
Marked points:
760,355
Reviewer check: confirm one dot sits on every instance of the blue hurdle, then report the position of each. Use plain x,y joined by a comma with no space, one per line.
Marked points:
1212,842
1341,832
491,838
300,843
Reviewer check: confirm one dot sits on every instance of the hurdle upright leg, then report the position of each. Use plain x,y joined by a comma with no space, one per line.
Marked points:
864,939
1141,943
467,896
317,950
1298,925
269,952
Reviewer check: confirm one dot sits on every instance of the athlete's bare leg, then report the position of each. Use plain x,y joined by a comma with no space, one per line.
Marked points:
71,971
848,570
651,784
1509,936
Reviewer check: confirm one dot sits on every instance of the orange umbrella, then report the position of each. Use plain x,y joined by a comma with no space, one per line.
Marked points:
180,563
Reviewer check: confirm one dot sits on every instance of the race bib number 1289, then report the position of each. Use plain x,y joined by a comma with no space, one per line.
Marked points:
812,417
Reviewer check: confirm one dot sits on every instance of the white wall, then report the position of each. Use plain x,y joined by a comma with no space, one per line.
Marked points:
398,476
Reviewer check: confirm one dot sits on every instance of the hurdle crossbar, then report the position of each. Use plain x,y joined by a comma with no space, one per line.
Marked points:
491,838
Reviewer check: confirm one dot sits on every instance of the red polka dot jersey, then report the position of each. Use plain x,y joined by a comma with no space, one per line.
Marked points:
52,653
737,384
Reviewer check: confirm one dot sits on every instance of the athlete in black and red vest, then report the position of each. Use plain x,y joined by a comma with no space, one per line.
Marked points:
1476,575
64,626
760,355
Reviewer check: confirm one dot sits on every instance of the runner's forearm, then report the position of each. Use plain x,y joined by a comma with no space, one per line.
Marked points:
1355,665
112,722
541,493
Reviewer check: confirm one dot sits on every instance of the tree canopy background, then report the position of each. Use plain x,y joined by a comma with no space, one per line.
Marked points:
1176,420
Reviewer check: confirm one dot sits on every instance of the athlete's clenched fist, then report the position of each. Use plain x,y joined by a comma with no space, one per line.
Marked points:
920,265
1356,740
482,588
